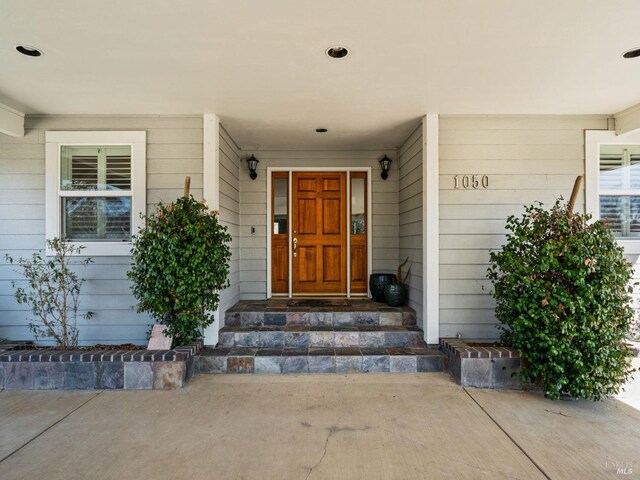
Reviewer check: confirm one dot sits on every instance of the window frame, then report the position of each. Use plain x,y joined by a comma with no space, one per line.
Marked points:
55,140
593,140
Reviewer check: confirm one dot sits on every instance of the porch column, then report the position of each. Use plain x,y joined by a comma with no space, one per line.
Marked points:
627,120
431,229
211,191
11,121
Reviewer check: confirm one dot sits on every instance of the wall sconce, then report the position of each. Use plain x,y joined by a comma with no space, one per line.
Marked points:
252,162
385,165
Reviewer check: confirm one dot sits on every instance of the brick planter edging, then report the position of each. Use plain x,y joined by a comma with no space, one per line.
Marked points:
23,368
490,366
480,366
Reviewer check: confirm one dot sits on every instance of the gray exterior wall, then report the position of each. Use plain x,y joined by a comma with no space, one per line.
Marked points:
174,149
527,159
410,215
229,199
253,209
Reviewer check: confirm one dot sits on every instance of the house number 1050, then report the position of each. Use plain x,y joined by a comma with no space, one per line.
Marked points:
471,181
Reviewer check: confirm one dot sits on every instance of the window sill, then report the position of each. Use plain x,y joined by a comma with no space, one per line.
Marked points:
630,246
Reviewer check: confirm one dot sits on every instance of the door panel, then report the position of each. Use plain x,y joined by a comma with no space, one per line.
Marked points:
358,264
306,184
331,217
307,264
307,216
332,263
331,184
319,233
280,261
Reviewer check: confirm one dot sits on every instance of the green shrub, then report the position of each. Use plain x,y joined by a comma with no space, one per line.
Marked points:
180,263
561,285
53,292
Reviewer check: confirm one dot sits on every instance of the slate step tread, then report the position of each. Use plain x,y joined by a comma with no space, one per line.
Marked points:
321,328
257,306
365,312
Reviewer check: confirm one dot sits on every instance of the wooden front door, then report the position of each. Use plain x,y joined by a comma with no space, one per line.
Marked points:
319,262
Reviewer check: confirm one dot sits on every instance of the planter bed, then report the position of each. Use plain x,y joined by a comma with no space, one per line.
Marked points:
23,367
486,365
482,365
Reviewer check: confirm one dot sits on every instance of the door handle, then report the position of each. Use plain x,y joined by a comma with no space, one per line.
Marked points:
295,247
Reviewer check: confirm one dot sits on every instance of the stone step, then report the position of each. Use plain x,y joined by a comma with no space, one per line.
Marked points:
359,312
321,336
320,360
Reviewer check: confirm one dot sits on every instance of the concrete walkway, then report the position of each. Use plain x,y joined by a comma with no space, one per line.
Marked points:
314,427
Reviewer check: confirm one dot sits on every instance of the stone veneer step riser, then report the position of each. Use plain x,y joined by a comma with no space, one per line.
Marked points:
332,339
298,364
313,318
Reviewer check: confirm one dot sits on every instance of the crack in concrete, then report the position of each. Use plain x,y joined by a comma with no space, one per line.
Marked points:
557,413
324,453
333,429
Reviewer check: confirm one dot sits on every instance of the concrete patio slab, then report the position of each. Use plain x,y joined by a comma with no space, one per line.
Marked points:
569,439
261,427
309,427
26,414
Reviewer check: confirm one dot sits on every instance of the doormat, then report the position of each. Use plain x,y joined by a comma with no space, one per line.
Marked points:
319,302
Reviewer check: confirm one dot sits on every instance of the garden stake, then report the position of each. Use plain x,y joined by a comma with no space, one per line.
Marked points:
574,193
187,184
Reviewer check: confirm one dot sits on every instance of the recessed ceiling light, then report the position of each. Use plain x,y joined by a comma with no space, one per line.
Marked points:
633,53
321,130
337,51
29,51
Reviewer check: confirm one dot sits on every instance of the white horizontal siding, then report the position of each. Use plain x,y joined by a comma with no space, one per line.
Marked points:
410,239
229,201
527,159
174,150
253,201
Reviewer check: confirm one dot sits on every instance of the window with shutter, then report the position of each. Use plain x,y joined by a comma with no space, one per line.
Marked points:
619,188
96,171
99,188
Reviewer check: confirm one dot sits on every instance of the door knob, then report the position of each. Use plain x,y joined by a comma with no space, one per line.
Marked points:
295,247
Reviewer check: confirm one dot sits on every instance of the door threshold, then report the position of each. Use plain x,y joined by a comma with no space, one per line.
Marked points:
319,295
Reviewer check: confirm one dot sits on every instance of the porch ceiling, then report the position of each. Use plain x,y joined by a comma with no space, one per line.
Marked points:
261,65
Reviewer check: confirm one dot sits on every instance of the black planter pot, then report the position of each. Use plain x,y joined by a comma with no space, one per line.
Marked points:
396,295
377,281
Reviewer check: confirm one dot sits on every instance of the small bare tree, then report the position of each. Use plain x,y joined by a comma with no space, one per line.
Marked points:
53,292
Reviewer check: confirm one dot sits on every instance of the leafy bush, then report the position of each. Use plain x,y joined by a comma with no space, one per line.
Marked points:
53,292
180,263
561,286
